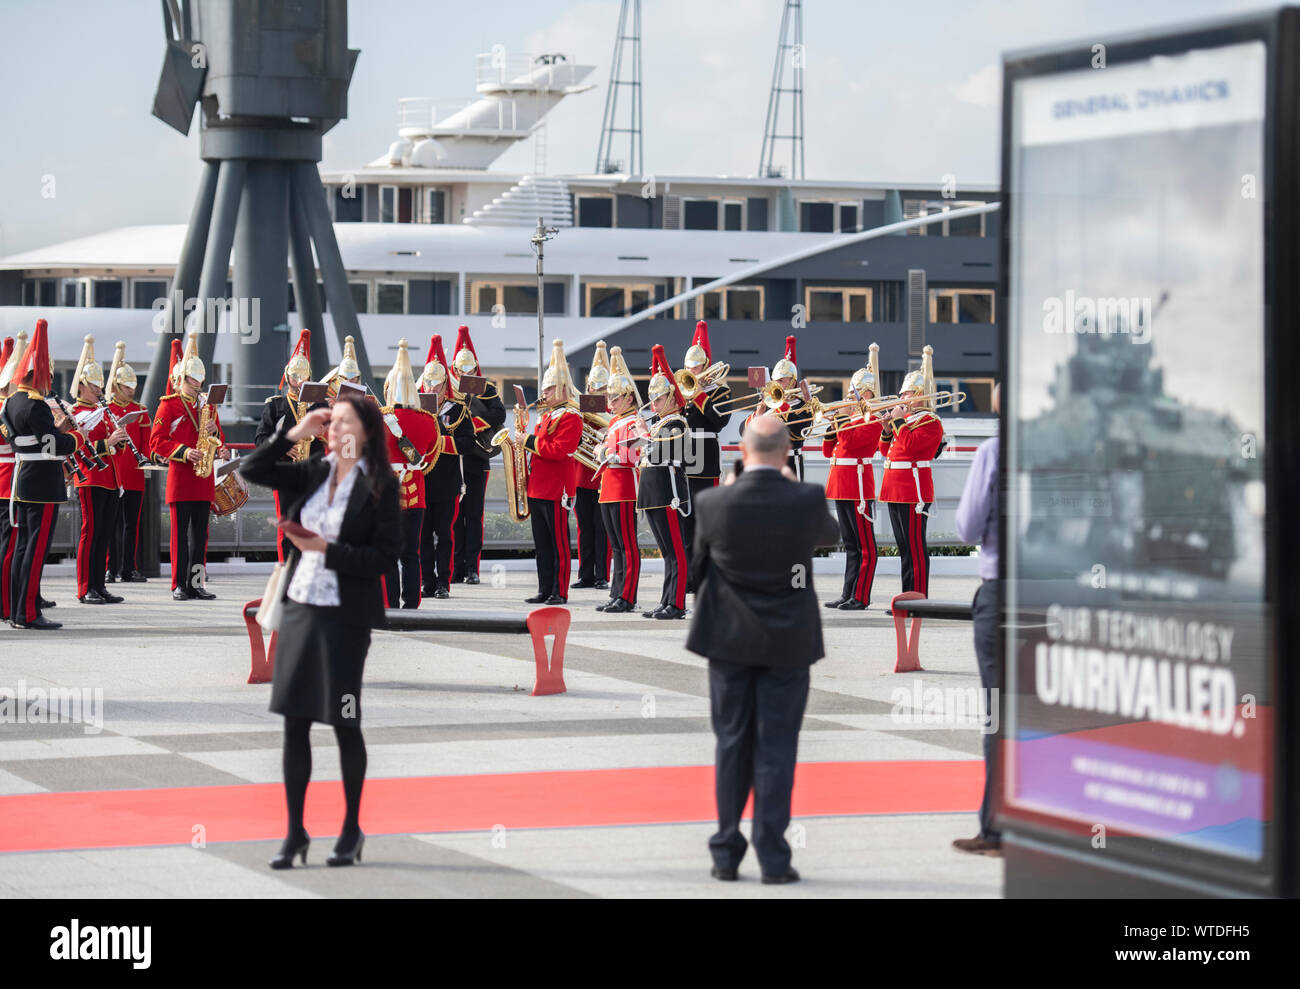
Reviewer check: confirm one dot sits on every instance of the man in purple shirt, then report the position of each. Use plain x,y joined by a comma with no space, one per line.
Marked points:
977,523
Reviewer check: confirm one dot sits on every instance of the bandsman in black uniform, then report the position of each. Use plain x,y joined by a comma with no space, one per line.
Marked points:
40,445
443,485
785,374
486,415
664,495
287,409
705,421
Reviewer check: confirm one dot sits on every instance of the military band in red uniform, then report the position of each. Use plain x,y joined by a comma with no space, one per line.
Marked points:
124,541
617,476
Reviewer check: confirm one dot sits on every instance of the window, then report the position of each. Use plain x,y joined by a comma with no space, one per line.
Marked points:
699,214
818,218
405,200
708,306
145,290
838,304
595,211
40,292
961,305
387,203
611,299
518,298
732,215
979,395
734,302
757,214
436,208
848,218
972,226
360,296
106,293
74,292
348,206
390,297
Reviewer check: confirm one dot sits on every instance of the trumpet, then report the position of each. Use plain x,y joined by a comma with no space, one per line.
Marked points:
692,384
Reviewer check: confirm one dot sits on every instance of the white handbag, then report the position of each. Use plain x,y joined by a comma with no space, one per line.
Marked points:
268,612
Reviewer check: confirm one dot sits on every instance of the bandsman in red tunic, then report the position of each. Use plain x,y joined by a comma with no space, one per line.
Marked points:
551,478
414,440
617,477
97,487
851,486
175,440
593,544
124,542
910,442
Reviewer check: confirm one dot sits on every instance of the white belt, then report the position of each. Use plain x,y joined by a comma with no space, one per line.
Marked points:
915,468
38,456
862,488
6,460
847,461
26,441
702,434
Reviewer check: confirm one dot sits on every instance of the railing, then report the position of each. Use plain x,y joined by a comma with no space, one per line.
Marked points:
496,68
421,115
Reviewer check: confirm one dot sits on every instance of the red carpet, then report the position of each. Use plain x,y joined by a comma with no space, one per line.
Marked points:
581,798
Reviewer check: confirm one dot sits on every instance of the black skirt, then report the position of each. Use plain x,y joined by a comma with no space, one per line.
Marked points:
319,659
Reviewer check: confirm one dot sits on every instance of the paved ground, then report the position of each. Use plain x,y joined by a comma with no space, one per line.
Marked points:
543,795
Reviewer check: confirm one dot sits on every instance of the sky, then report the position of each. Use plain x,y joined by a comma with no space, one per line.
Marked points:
892,92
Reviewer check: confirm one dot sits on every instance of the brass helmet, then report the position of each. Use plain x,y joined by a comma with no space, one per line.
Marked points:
349,369
299,365
399,386
786,367
698,354
191,366
7,372
922,379
119,371
434,375
621,382
598,376
863,381
557,374
662,381
88,370
464,359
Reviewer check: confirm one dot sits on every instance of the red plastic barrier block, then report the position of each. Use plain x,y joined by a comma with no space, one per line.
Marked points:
908,659
263,658
550,674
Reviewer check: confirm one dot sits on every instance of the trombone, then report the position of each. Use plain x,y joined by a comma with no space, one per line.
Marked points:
877,410
772,395
691,384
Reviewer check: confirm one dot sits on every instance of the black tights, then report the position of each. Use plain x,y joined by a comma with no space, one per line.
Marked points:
297,773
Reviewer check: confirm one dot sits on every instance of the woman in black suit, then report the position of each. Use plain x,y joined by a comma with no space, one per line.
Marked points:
333,597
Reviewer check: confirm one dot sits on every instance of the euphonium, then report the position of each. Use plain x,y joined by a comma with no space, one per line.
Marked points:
207,444
516,466
591,445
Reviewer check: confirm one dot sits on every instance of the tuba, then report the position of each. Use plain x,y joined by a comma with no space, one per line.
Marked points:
516,466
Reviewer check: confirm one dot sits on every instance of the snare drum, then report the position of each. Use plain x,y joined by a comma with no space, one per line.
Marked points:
230,495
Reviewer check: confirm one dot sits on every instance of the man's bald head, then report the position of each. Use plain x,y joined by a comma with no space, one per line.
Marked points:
766,441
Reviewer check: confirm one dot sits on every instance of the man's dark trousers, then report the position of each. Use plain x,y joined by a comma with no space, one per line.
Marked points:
984,610
756,714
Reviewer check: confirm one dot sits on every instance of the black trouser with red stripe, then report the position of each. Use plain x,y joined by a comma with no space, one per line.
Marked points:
593,546
697,484
402,583
909,533
469,516
7,540
666,525
620,528
189,544
551,540
438,544
126,533
282,543
98,516
35,525
859,538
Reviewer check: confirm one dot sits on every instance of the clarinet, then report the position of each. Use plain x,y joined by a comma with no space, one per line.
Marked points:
140,459
89,458
72,469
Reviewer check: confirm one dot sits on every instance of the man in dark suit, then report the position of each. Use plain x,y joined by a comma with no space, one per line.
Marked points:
757,621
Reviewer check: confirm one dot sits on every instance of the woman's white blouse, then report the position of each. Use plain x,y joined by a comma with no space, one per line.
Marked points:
313,582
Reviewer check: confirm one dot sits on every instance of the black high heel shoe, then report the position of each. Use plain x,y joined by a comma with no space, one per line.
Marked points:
347,856
284,858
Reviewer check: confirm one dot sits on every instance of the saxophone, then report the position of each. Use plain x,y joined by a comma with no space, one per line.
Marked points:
516,466
207,444
302,449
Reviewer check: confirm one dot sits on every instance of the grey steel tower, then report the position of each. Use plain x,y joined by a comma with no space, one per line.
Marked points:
271,78
789,55
629,32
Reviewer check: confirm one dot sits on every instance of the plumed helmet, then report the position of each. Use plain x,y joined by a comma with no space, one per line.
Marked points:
786,366
88,371
119,371
191,366
598,376
863,382
11,362
557,374
464,358
399,386
621,382
698,354
662,381
299,365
